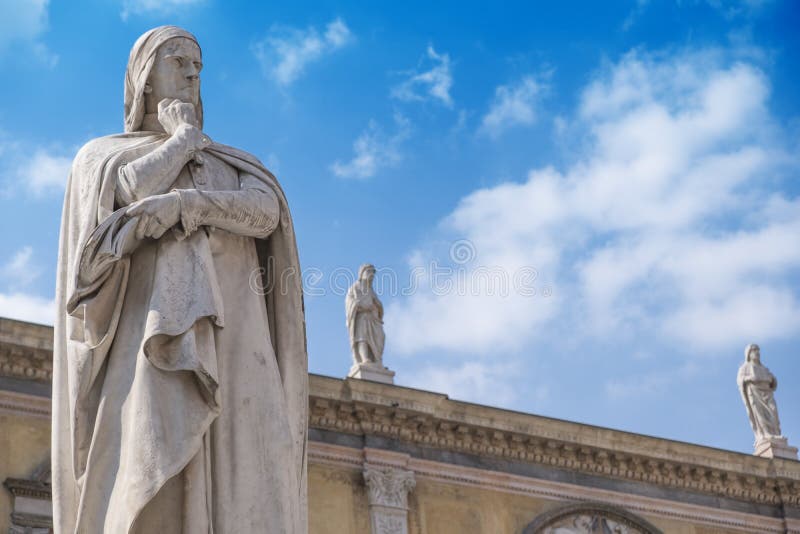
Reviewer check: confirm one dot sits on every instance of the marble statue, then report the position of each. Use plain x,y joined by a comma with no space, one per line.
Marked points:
757,386
364,320
179,391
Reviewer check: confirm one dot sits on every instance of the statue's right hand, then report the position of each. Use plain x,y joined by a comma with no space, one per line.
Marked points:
156,214
173,114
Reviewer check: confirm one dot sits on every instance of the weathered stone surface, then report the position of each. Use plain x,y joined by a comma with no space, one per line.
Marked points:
162,278
481,469
364,321
387,490
757,386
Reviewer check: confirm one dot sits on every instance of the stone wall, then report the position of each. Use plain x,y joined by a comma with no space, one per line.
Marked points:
386,459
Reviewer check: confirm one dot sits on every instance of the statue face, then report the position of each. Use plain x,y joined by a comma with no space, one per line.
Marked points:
175,73
369,275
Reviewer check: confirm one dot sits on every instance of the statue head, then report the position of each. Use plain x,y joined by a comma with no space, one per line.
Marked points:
752,353
366,273
165,62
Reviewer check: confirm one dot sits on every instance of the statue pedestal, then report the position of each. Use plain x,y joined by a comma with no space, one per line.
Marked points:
775,448
372,371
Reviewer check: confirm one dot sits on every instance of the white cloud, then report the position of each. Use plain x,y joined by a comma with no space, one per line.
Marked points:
513,105
157,7
25,307
44,172
434,83
374,150
18,273
670,224
738,8
286,52
474,382
23,23
635,13
35,169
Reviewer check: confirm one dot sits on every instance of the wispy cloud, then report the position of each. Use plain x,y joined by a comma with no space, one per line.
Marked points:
668,223
44,172
434,83
15,302
373,150
286,52
738,8
20,272
156,7
27,307
513,105
651,382
474,381
36,170
22,24
635,13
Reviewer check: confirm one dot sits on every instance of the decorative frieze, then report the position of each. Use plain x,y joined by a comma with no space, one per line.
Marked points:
26,350
32,511
364,418
588,518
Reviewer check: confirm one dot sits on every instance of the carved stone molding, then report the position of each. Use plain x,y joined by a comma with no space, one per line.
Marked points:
26,350
366,418
453,476
24,405
387,490
32,511
589,518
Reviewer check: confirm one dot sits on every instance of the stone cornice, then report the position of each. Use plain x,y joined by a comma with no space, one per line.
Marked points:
34,489
354,459
428,419
423,418
26,350
26,405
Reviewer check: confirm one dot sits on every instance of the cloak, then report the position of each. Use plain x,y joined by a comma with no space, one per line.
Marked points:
93,265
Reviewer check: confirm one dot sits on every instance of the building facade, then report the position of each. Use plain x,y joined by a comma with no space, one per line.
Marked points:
392,460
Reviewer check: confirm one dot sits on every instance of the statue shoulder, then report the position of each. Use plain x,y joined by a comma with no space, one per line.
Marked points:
101,147
238,153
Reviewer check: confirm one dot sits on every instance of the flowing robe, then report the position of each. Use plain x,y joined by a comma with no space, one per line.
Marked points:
363,316
757,386
180,382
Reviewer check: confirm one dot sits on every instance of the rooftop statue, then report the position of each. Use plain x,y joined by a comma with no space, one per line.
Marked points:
364,321
757,386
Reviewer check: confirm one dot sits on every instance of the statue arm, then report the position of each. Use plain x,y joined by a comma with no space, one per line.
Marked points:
251,211
154,173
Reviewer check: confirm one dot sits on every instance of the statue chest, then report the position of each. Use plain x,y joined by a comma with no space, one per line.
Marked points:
212,174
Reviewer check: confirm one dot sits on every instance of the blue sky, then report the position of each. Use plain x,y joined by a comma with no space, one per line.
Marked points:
583,210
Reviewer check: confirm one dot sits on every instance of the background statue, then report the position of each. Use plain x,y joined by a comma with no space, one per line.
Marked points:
757,386
180,390
364,319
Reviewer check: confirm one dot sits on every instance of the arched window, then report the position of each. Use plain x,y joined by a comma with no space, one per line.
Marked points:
589,518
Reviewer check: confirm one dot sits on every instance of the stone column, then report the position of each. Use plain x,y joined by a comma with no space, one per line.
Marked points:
388,499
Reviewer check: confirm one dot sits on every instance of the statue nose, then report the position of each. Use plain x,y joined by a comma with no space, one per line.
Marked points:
192,72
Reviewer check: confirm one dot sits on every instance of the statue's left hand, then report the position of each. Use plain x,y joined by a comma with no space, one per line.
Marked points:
157,214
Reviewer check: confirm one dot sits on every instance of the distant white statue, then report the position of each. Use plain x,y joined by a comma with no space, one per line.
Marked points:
757,386
364,320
